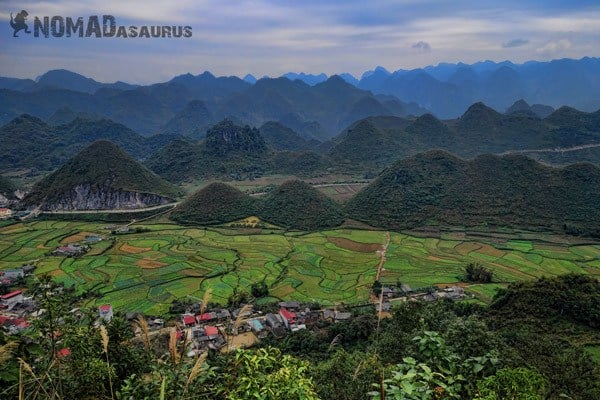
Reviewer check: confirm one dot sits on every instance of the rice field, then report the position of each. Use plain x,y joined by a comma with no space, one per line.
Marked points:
146,271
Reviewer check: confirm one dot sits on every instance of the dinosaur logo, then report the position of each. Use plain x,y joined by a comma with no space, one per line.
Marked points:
18,23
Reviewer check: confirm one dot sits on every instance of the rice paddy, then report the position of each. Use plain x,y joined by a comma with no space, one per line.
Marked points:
146,271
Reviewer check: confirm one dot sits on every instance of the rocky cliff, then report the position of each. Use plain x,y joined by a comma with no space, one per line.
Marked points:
87,197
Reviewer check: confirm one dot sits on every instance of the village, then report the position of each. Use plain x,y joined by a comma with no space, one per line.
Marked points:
215,328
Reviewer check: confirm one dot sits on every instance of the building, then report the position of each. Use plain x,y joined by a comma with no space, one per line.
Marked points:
106,312
11,299
188,320
290,305
5,212
289,318
15,273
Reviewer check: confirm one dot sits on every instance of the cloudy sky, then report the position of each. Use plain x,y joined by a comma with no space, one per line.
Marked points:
271,37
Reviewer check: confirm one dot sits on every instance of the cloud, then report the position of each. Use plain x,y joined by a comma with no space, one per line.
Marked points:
422,46
555,46
515,43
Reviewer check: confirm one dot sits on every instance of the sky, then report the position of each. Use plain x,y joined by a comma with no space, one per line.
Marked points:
272,37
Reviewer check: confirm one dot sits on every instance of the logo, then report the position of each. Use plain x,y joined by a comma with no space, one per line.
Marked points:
59,26
18,22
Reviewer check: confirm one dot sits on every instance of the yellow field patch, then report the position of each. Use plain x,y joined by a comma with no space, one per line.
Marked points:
465,248
490,251
125,248
149,264
78,237
191,272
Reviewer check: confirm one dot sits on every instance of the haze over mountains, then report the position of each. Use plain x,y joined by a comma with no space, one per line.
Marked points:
313,105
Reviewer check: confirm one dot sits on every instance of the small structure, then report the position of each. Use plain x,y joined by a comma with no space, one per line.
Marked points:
28,269
206,317
106,312
5,212
11,299
188,320
290,305
211,331
342,316
274,320
70,250
15,273
91,239
289,318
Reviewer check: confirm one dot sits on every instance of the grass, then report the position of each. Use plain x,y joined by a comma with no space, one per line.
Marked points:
329,267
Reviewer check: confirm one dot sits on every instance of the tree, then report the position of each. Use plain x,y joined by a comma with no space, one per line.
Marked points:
259,289
477,273
376,288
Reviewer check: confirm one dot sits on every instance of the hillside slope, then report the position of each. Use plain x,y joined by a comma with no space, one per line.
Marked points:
102,176
439,188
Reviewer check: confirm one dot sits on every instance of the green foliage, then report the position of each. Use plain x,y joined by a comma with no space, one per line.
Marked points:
266,374
105,168
475,272
512,383
259,289
297,205
7,188
214,204
439,188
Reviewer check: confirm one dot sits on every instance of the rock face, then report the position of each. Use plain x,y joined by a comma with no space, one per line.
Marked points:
86,197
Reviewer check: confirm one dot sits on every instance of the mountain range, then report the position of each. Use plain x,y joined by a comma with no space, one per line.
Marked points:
445,90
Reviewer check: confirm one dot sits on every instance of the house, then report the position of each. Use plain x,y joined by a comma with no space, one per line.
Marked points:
15,273
223,314
91,239
289,305
5,212
211,331
28,269
11,299
207,317
342,316
454,293
274,320
70,250
289,318
188,320
385,307
106,312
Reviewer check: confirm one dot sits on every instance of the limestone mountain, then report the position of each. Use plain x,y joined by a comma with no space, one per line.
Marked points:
100,177
214,204
442,189
297,205
192,121
280,137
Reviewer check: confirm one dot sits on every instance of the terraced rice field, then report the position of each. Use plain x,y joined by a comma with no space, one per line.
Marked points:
146,271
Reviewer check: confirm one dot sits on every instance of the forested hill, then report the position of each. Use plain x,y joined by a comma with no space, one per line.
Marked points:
439,188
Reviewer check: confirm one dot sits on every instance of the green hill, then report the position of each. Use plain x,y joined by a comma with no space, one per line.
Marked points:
29,143
280,137
439,188
214,204
297,205
102,176
7,188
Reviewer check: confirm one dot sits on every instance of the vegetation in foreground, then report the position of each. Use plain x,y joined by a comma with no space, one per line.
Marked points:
525,345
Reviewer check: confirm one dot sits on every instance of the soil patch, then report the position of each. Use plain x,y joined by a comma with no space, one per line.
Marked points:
125,248
149,264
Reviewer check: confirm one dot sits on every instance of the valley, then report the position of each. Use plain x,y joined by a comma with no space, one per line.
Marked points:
146,270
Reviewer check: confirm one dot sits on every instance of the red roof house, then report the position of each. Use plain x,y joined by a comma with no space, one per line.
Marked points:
11,294
189,320
211,330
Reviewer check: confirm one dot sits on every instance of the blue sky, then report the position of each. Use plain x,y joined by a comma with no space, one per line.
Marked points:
271,37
